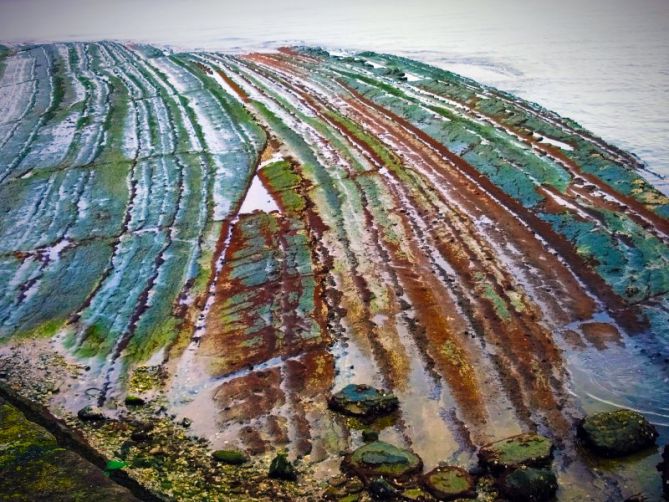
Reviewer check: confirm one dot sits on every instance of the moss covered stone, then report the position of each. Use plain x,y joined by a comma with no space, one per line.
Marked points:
363,401
617,433
282,468
232,457
527,484
526,449
379,459
449,483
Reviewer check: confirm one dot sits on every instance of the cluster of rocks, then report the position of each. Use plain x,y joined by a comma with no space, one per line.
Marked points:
518,468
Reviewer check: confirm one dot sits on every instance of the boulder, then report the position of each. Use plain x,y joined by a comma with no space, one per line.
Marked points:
379,459
449,483
363,401
230,457
617,433
526,449
282,468
91,414
528,484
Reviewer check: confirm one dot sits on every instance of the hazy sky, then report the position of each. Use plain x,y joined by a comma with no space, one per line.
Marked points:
603,62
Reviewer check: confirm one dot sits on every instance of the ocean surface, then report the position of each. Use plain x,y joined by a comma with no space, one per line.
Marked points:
604,63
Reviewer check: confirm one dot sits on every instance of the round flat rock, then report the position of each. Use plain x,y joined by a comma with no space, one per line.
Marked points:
363,401
450,483
383,459
526,449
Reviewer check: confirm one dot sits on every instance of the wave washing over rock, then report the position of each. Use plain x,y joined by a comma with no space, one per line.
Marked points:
202,248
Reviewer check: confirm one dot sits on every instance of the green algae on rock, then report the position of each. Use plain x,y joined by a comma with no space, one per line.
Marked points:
380,459
449,483
528,484
363,401
617,433
231,457
526,449
282,468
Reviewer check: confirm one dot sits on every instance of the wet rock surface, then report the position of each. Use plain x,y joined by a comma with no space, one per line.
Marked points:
33,466
529,484
450,483
526,449
363,401
617,433
380,459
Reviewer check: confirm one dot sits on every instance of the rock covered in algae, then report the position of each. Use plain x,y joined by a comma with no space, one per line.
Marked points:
526,449
379,459
231,457
449,483
617,433
363,401
528,484
282,468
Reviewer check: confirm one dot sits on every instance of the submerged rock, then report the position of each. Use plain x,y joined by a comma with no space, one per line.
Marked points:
617,433
449,483
526,449
527,484
363,401
379,459
231,457
380,489
369,436
91,414
282,468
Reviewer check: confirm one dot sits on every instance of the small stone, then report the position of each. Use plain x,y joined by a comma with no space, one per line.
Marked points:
617,433
369,436
91,414
379,459
524,449
380,489
282,468
527,484
449,483
186,422
363,401
132,400
230,457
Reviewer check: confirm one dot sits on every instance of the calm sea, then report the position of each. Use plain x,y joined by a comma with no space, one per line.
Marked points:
604,63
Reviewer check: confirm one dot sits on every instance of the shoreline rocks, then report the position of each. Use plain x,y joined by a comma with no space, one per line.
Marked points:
527,449
617,433
449,483
363,401
380,459
528,484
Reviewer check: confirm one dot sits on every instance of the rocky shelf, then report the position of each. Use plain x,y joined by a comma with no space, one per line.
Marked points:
198,250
